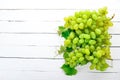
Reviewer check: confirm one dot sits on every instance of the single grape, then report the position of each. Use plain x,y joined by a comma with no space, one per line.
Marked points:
92,66
86,36
72,35
81,59
76,26
98,31
89,22
81,41
94,16
95,60
79,20
87,52
75,40
92,42
92,35
67,42
81,26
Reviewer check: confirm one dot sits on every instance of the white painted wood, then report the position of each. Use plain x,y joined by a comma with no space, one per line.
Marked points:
41,27
32,75
46,15
13,69
47,65
56,4
40,52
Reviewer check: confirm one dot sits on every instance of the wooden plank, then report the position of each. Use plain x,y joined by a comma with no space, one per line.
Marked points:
41,27
58,4
37,52
45,15
31,75
46,65
40,39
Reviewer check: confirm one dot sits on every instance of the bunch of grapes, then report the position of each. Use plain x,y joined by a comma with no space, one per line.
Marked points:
86,40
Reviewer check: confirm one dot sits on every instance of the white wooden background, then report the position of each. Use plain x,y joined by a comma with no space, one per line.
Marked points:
29,41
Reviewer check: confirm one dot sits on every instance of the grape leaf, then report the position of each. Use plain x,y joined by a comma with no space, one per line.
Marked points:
60,29
62,49
66,33
65,55
68,70
69,49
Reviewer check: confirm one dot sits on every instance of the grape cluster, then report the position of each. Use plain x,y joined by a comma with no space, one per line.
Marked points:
86,39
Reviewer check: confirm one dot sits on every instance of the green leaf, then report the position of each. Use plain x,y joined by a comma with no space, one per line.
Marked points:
60,29
66,33
68,70
62,49
65,55
68,49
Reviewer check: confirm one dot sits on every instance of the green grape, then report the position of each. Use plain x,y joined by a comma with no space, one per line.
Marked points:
83,50
98,31
94,16
92,35
92,66
67,42
87,47
81,26
75,40
71,54
74,46
91,57
74,58
83,62
67,59
97,67
66,19
76,26
81,36
100,23
89,22
95,60
87,52
92,42
87,41
79,20
73,23
86,31
86,36
92,48
78,32
84,16
88,13
76,51
98,48
99,40
81,41
72,35
79,55
93,26
81,59
98,54
102,36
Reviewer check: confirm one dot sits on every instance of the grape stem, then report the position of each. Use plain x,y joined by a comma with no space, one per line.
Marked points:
112,17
